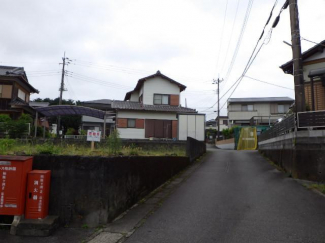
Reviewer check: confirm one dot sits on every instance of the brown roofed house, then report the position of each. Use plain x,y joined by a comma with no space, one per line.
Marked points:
15,91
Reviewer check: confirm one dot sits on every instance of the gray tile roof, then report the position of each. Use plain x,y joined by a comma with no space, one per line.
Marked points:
101,101
260,99
130,105
11,71
18,102
17,72
38,104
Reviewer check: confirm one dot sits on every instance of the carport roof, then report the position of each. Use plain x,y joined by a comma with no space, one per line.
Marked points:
63,110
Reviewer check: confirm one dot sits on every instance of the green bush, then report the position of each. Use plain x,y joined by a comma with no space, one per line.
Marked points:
47,148
6,144
4,119
228,133
26,118
71,131
114,143
83,132
17,128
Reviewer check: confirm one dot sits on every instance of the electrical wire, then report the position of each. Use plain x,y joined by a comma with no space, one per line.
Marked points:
73,74
243,28
268,83
222,32
231,34
252,59
320,44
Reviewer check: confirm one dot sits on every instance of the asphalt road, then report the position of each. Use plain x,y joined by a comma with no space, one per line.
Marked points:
237,196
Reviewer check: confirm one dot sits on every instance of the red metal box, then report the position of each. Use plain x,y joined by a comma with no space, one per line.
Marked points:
38,193
13,178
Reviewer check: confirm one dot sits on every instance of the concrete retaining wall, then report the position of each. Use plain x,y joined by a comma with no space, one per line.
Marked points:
195,148
94,190
302,154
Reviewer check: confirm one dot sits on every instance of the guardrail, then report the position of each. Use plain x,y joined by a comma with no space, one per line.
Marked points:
311,119
75,137
285,126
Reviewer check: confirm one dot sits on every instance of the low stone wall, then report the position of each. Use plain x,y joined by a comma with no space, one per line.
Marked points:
195,148
94,190
302,154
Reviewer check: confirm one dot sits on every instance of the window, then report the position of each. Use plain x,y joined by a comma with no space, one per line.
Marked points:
131,123
160,99
247,107
225,122
281,109
21,95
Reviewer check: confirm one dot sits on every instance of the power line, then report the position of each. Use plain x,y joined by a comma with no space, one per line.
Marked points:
312,41
252,59
268,83
231,33
248,10
222,32
96,81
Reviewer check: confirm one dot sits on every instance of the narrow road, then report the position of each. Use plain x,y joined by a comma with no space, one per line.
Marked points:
237,196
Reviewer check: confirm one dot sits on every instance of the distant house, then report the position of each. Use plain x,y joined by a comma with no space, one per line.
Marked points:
223,121
92,123
211,124
313,67
15,91
152,110
257,111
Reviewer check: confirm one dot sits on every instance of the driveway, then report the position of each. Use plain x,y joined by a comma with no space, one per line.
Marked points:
236,196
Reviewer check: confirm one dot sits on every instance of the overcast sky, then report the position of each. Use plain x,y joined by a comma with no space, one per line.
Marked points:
112,44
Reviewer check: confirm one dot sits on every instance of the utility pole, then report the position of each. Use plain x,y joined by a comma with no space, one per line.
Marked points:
218,81
61,91
296,57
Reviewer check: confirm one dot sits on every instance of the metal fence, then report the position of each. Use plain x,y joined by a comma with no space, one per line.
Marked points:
311,119
285,126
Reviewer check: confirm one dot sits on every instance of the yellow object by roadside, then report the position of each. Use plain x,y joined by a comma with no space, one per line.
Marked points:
247,139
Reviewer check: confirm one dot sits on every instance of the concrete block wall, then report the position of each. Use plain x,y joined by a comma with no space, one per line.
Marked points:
94,190
301,154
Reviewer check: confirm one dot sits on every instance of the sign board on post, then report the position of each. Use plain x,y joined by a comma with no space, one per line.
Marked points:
93,136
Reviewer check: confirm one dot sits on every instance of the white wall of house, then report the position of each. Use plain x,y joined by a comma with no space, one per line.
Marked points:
223,126
147,115
158,85
259,109
191,126
135,133
235,112
308,68
131,133
134,96
97,120
241,115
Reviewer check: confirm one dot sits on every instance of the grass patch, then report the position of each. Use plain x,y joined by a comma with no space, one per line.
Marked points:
318,187
12,147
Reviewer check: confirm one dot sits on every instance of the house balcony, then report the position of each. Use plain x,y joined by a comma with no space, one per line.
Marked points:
241,115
